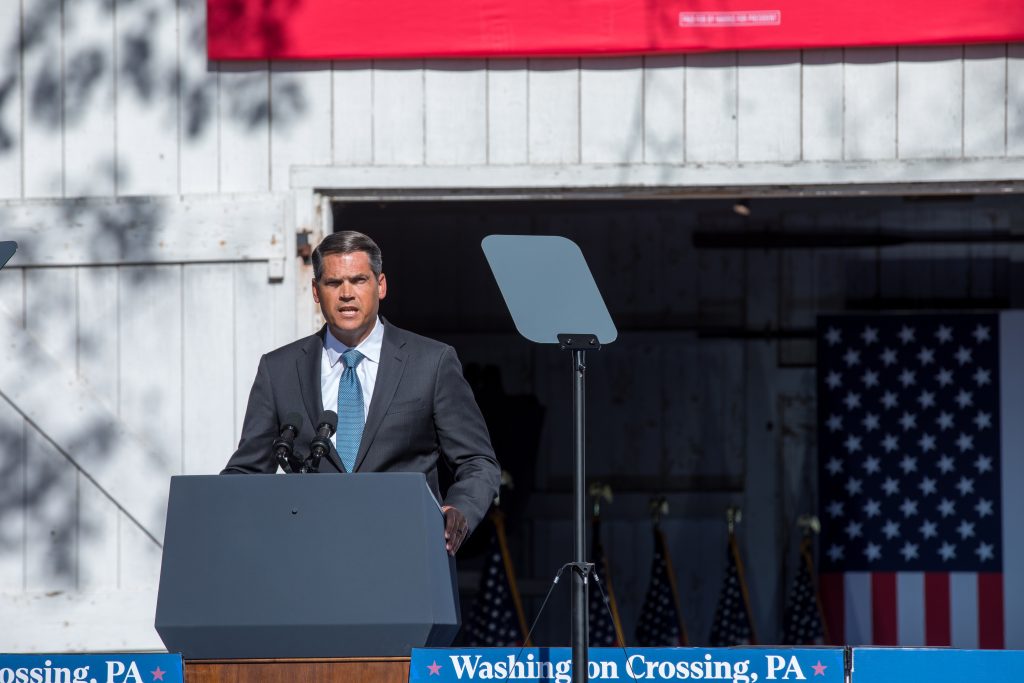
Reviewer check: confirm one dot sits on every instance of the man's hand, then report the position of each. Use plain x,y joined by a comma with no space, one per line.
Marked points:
455,529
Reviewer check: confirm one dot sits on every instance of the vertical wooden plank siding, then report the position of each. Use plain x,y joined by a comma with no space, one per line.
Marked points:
931,101
984,99
87,64
612,110
554,116
146,32
300,118
254,333
42,135
12,89
13,456
664,98
398,113
711,107
507,96
822,105
243,119
198,95
455,112
352,111
209,374
1015,100
869,113
768,107
99,520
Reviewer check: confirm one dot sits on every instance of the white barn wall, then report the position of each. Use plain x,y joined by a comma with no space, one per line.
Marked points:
166,332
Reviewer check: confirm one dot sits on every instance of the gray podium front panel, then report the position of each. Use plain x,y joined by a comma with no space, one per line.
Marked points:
326,565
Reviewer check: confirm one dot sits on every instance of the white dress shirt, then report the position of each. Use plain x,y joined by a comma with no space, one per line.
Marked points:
331,367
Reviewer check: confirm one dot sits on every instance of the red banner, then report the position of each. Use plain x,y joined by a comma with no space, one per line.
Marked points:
355,29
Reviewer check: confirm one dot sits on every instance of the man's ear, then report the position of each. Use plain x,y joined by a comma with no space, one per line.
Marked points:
382,286
316,293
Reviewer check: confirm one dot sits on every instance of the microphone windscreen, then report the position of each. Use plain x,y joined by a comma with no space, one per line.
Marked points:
293,420
328,417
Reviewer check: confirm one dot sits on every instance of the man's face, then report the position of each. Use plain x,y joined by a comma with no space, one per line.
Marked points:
349,295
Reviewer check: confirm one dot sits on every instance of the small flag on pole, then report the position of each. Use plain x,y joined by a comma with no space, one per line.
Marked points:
497,618
733,624
661,620
804,623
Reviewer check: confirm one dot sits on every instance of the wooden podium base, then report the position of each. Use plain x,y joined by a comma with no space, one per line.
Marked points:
353,670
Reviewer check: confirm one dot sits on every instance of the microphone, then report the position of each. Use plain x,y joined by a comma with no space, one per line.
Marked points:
283,444
321,445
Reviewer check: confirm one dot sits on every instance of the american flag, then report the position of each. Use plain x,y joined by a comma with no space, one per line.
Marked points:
661,620
911,473
803,623
497,618
605,627
733,624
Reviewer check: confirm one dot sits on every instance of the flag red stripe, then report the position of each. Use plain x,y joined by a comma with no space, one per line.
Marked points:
936,609
990,610
831,586
884,629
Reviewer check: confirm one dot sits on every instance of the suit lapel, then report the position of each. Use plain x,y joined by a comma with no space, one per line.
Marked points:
308,366
389,374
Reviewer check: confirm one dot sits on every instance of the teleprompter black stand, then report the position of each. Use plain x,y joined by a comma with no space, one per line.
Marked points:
553,299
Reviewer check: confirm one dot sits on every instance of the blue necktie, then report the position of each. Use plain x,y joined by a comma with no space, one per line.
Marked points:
350,410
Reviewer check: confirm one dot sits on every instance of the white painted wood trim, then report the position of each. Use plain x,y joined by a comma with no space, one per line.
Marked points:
767,178
80,622
152,230
82,428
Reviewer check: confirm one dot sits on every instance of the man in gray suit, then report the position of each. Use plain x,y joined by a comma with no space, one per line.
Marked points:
401,398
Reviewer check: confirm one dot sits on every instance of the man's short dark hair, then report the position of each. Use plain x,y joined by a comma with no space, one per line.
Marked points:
346,242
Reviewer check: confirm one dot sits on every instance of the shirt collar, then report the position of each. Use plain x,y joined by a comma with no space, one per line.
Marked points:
369,347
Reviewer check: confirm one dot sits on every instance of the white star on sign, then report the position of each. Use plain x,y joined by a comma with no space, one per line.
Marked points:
888,357
983,463
906,334
908,464
891,529
925,356
964,398
944,334
908,507
926,442
985,552
927,486
907,377
852,400
889,399
980,333
851,357
945,463
869,335
944,377
870,422
909,551
947,507
853,529
834,380
963,355
965,486
966,529
871,464
928,529
984,507
852,443
890,443
873,552
982,376
890,486
965,442
870,378
948,551
872,508
853,486
944,421
908,421
982,420
833,336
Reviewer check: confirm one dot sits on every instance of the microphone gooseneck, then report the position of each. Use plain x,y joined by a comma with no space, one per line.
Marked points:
321,443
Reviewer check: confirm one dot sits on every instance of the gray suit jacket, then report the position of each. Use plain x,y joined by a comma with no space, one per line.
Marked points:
422,409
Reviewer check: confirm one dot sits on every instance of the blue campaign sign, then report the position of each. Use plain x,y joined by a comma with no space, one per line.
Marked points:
106,668
935,665
554,665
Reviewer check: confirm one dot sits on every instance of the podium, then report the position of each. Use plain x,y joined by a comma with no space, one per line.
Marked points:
328,566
